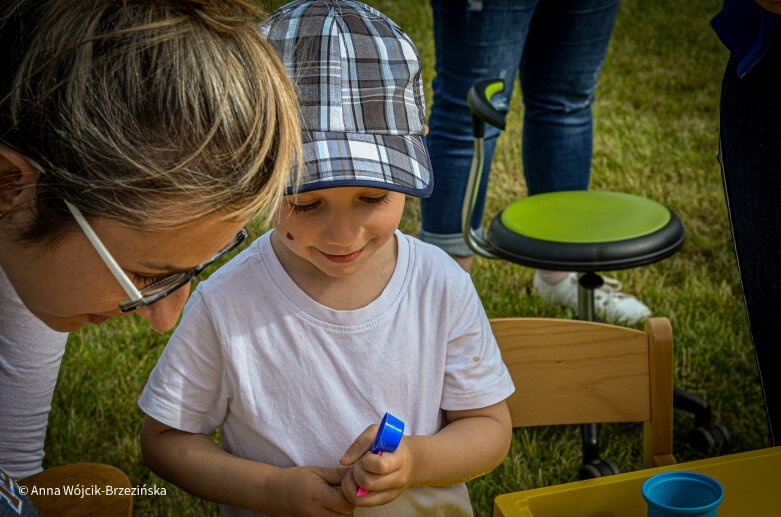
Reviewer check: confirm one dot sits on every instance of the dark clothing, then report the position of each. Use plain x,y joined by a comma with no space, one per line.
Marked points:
745,28
12,502
750,140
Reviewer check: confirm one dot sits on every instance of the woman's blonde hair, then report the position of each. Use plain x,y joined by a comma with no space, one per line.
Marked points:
154,113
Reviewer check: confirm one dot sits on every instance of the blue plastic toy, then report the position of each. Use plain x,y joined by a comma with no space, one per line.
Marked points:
387,439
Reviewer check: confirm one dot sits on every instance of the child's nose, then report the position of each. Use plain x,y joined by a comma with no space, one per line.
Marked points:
341,229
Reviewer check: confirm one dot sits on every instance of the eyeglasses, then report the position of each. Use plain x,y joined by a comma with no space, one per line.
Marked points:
161,288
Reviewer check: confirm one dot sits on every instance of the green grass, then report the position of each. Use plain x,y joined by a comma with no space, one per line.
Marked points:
655,135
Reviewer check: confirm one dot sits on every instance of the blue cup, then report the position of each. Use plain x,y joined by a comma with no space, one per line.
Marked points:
673,494
388,435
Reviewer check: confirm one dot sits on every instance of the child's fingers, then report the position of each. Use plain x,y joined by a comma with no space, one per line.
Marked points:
380,489
365,479
312,491
381,464
349,486
360,446
332,498
332,476
373,481
350,491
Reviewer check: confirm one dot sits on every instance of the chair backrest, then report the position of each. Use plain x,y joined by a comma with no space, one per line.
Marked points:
577,372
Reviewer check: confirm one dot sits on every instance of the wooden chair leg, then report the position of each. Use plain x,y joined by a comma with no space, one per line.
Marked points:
105,491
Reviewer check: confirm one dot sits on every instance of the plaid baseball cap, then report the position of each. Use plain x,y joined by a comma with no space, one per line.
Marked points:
360,93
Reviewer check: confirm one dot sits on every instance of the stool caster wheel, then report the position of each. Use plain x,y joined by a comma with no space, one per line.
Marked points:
597,469
709,438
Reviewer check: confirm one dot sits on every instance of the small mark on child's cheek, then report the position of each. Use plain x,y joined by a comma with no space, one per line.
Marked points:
289,236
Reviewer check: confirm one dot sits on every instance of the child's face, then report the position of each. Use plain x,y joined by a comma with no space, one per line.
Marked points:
339,230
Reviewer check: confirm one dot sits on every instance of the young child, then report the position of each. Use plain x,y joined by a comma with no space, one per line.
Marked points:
299,345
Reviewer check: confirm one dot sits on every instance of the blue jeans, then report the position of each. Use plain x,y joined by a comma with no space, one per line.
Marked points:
12,502
750,137
558,48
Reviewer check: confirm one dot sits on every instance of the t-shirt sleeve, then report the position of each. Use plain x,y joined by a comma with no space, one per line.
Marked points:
475,375
186,390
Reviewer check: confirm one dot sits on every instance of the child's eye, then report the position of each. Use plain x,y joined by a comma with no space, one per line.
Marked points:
378,200
300,209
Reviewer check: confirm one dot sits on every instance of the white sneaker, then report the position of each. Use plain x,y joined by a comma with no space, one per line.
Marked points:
610,302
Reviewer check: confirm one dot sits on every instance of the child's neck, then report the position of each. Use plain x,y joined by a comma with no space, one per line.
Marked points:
340,293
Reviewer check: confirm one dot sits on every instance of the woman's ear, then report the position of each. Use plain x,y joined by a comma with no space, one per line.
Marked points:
17,180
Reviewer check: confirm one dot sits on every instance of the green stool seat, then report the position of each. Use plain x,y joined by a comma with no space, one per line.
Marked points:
585,231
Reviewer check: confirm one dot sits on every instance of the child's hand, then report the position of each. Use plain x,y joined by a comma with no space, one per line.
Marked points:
384,475
304,491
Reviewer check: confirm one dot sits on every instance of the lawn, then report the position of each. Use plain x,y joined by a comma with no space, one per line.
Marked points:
655,135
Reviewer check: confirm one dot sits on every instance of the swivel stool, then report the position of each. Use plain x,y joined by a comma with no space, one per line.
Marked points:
586,232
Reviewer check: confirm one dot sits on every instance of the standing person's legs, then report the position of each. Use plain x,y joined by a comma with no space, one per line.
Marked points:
473,42
564,54
750,131
565,50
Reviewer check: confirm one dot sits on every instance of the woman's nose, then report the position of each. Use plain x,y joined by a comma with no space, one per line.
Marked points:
163,315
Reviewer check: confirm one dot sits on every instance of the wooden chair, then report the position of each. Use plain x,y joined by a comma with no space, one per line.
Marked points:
86,475
575,372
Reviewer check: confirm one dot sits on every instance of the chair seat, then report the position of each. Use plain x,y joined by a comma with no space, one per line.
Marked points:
585,231
46,490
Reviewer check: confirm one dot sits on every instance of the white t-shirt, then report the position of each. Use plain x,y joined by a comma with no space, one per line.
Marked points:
293,383
30,357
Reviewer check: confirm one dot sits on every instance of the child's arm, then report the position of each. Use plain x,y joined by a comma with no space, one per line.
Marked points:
473,443
197,464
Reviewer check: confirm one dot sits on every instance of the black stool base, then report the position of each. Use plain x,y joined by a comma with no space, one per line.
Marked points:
706,436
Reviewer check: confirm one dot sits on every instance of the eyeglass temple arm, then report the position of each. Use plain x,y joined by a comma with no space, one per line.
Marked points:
130,289
483,111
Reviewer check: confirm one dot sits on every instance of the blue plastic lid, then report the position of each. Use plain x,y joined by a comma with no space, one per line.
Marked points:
388,435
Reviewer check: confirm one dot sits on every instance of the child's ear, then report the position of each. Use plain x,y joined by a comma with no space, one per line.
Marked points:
17,180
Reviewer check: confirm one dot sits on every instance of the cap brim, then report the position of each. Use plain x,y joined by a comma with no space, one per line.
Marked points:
340,159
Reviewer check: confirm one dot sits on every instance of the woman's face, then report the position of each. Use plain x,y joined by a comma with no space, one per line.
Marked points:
68,285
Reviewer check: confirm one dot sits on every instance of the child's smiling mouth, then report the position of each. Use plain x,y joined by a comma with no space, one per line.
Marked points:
343,259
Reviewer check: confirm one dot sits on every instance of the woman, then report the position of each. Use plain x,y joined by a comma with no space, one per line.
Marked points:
136,140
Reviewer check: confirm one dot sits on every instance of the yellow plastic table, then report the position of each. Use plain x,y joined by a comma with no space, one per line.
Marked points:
751,481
